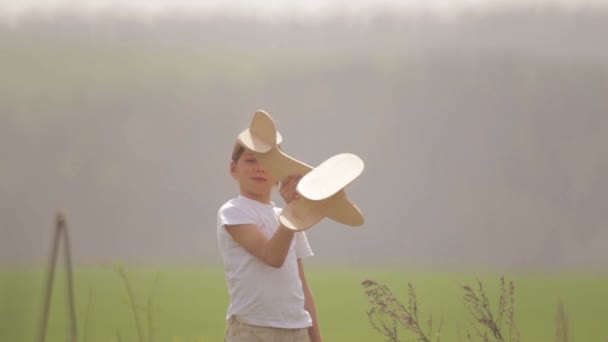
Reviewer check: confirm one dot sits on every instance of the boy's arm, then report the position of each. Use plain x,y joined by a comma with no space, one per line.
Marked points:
314,332
271,251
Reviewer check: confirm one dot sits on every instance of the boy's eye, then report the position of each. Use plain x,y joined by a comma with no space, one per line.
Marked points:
250,160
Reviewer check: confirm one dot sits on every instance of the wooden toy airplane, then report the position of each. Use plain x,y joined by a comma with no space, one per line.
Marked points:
321,189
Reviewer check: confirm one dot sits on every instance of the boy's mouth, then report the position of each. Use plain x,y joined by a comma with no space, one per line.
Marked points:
259,179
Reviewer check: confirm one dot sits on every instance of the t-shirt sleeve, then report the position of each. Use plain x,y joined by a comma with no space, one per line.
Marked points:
303,249
231,215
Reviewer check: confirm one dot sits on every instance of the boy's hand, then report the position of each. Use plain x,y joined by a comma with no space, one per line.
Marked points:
288,188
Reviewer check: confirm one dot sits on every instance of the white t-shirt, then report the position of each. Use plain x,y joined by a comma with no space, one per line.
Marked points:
262,295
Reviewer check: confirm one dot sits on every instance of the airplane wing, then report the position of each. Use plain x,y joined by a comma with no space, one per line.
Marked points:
340,209
282,165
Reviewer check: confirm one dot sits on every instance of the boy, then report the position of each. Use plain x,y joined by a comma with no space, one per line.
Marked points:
269,296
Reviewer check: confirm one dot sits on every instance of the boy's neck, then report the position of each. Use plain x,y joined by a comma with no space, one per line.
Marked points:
264,199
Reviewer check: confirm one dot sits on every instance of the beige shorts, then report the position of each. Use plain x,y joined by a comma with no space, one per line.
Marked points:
240,332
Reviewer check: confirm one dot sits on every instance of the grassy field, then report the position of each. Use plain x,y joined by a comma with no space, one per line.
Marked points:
190,303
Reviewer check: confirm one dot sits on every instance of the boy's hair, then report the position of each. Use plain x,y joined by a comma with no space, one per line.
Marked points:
237,151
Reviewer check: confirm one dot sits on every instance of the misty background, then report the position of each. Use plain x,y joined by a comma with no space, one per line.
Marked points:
484,133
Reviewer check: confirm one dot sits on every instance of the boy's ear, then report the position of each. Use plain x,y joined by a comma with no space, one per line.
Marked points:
232,168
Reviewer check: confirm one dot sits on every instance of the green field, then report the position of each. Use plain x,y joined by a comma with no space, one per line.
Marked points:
190,302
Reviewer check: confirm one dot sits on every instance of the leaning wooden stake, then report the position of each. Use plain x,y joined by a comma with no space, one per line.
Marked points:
60,231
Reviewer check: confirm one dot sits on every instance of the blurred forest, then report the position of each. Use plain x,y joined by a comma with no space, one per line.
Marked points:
484,135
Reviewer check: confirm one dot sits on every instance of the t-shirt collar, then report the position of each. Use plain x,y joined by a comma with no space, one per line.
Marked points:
252,201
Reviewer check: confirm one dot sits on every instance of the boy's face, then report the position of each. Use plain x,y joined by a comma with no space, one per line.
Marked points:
254,180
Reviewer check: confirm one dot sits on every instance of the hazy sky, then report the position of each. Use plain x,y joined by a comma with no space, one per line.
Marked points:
279,6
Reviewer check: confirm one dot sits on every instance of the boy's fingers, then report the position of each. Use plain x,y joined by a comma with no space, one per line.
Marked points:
286,181
291,180
295,179
288,187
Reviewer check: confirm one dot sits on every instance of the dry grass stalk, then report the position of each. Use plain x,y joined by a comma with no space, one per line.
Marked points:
562,324
87,319
61,230
387,313
489,327
120,269
151,311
